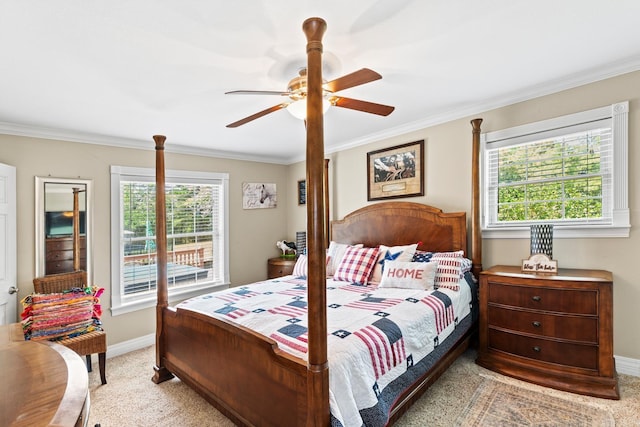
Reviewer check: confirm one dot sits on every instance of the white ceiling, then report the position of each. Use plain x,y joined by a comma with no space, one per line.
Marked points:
118,72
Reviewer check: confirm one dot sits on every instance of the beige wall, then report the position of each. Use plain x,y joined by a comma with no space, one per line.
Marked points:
448,186
253,233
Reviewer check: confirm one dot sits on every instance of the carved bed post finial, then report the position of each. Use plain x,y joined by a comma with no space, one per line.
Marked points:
476,233
318,371
160,371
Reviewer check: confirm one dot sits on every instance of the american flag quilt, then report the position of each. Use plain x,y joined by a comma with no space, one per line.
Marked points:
378,338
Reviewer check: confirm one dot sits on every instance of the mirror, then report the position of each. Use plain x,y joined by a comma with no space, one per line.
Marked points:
55,225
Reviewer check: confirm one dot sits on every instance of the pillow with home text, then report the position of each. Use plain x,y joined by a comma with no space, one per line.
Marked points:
408,275
391,253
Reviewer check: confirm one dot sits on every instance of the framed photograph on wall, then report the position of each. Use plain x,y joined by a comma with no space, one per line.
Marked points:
396,171
258,195
302,192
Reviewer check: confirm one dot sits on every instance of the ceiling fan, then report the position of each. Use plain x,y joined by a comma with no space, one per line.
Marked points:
297,94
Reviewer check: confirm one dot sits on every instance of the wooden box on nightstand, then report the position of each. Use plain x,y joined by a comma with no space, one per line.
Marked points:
278,267
554,330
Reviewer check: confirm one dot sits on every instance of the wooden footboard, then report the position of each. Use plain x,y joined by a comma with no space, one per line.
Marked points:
243,374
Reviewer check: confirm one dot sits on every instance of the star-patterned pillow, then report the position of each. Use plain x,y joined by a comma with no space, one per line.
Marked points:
391,253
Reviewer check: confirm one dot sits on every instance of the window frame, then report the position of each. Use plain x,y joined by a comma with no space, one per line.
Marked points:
121,304
620,223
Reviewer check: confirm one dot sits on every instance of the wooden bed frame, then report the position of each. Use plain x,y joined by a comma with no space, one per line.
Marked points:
244,374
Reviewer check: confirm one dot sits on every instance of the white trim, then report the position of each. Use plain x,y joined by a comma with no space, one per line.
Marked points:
627,366
621,225
125,347
120,305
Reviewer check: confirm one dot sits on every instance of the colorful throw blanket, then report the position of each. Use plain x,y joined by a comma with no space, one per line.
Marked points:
61,315
376,336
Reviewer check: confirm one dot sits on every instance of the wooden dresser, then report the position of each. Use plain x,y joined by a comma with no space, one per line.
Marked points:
554,330
59,254
277,267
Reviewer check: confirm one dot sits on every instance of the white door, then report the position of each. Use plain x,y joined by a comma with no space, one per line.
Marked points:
8,276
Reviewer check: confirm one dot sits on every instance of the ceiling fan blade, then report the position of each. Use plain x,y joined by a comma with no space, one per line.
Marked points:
258,92
356,104
356,78
257,115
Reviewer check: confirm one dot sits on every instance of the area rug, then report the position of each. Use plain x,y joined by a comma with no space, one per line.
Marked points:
495,403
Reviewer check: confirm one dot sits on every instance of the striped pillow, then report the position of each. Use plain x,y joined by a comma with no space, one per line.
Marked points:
452,266
300,269
449,270
356,265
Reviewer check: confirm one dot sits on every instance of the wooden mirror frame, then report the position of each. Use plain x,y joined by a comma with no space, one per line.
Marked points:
40,226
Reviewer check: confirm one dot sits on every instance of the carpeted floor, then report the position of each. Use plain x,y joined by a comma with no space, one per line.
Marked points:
131,399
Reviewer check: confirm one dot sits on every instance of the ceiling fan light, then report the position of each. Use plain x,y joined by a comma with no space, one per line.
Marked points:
298,109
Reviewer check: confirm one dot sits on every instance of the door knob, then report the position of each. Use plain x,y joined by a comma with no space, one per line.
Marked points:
13,290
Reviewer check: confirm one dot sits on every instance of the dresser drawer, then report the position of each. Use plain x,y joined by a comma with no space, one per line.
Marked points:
575,301
559,353
278,267
63,243
567,327
60,255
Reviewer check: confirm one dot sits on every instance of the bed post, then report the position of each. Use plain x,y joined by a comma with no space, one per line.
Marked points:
161,373
326,203
476,233
317,369
76,231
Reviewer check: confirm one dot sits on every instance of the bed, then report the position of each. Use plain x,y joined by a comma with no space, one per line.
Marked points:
248,375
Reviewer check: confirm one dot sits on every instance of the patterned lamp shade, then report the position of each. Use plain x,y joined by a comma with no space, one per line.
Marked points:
301,242
542,239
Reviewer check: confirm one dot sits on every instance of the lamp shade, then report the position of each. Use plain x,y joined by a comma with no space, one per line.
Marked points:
298,109
542,239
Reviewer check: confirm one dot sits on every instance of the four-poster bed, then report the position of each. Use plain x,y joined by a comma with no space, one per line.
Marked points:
246,374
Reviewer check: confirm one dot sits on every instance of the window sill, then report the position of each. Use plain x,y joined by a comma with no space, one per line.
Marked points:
564,232
174,297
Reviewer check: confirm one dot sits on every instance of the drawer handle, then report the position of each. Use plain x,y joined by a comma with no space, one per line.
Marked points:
536,349
536,298
536,324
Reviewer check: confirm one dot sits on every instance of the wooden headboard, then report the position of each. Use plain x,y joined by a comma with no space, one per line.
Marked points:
402,223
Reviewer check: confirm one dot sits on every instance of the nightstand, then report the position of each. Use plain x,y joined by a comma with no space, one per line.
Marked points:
277,267
555,330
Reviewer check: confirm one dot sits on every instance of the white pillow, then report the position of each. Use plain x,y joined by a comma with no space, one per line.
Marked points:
393,253
408,275
335,254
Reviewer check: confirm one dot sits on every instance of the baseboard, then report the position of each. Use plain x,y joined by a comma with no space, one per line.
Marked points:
627,366
127,346
624,365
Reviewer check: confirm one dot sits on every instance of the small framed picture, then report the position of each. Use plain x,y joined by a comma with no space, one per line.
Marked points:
302,192
396,171
257,195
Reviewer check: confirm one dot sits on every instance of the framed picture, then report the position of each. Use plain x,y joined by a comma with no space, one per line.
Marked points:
302,192
396,171
258,195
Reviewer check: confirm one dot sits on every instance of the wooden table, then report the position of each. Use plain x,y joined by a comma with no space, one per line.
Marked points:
43,383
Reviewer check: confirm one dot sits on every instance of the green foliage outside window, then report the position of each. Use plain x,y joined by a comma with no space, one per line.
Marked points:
557,179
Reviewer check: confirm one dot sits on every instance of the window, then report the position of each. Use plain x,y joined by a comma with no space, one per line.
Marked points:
197,240
570,171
